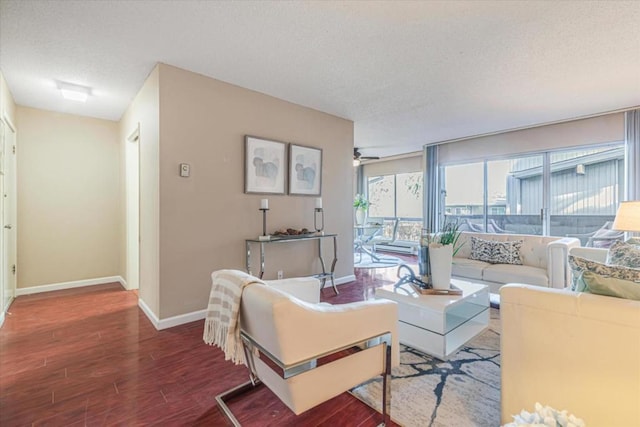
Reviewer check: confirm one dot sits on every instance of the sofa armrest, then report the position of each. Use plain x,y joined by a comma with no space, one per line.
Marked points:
594,254
304,288
573,351
557,261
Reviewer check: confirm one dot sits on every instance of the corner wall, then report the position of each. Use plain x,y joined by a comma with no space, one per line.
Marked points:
144,110
7,106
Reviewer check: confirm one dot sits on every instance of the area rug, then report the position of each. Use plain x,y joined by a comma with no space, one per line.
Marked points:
463,391
383,261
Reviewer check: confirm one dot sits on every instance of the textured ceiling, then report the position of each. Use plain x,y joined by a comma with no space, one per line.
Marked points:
407,73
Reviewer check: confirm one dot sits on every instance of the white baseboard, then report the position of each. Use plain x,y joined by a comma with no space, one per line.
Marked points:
69,285
170,322
181,319
1,319
150,314
193,316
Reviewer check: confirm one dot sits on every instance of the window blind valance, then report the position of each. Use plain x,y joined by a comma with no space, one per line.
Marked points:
593,130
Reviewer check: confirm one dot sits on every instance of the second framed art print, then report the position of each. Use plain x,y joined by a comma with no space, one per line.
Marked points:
305,170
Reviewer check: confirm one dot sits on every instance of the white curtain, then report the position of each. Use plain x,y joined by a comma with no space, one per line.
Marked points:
431,188
632,140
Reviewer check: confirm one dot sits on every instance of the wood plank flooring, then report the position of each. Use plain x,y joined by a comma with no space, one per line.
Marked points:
90,357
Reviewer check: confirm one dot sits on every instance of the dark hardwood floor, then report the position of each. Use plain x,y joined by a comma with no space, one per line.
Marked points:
90,357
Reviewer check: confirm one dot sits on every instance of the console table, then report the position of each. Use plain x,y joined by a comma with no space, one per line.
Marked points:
292,239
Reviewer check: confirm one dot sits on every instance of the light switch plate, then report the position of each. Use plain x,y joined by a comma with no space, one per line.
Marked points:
185,169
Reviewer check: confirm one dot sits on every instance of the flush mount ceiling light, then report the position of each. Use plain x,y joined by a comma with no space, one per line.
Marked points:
74,92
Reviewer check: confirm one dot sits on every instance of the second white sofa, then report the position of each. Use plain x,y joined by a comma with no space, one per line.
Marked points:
544,261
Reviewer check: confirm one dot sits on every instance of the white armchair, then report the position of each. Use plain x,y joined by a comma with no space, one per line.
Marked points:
288,340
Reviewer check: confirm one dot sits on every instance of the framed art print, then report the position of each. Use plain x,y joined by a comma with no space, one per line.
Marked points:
264,166
305,170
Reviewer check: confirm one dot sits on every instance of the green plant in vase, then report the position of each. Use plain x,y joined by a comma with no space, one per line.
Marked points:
361,204
449,235
441,254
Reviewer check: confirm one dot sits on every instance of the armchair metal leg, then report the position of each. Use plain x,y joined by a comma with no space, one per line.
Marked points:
231,393
386,387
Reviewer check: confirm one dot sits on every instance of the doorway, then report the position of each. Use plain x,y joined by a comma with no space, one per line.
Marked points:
132,179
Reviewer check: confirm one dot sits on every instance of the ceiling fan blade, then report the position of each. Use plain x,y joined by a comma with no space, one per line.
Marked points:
358,156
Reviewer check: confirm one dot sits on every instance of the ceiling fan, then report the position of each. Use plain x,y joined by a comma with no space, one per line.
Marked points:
357,157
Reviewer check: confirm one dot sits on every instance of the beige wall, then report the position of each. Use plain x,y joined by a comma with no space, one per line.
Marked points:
204,219
144,110
68,198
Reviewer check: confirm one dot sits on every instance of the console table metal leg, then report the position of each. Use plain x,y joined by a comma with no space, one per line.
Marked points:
248,248
324,270
333,264
261,260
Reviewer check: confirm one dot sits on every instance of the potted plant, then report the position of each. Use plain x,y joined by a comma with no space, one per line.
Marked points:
361,204
441,252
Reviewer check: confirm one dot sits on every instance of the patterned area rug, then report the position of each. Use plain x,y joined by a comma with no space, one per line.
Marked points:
463,391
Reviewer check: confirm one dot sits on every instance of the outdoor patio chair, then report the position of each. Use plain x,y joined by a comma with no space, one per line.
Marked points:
601,238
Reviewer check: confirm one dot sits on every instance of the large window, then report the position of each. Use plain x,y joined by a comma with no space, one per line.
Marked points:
398,196
512,195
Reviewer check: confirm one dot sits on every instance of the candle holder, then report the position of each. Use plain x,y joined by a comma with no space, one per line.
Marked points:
318,213
264,224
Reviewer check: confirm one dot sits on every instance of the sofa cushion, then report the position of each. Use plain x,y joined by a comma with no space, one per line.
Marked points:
610,286
508,273
469,268
625,254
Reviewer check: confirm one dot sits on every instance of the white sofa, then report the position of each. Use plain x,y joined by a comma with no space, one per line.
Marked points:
573,351
544,261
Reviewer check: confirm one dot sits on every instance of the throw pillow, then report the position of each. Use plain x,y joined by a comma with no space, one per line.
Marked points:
634,241
507,252
625,254
578,265
481,250
611,286
581,265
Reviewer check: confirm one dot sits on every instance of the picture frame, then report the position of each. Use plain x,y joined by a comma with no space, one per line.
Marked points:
264,166
305,170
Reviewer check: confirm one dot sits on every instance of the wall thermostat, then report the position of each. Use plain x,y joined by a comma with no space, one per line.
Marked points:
185,169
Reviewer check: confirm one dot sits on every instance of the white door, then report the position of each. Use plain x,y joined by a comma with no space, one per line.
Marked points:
8,190
132,159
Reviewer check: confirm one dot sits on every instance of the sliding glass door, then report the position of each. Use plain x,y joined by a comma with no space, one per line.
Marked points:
560,193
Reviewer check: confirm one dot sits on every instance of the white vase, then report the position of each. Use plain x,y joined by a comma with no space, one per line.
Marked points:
361,216
440,258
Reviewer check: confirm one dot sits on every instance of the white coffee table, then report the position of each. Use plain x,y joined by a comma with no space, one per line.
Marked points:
439,324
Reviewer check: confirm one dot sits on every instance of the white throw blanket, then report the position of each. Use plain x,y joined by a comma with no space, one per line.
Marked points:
222,324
